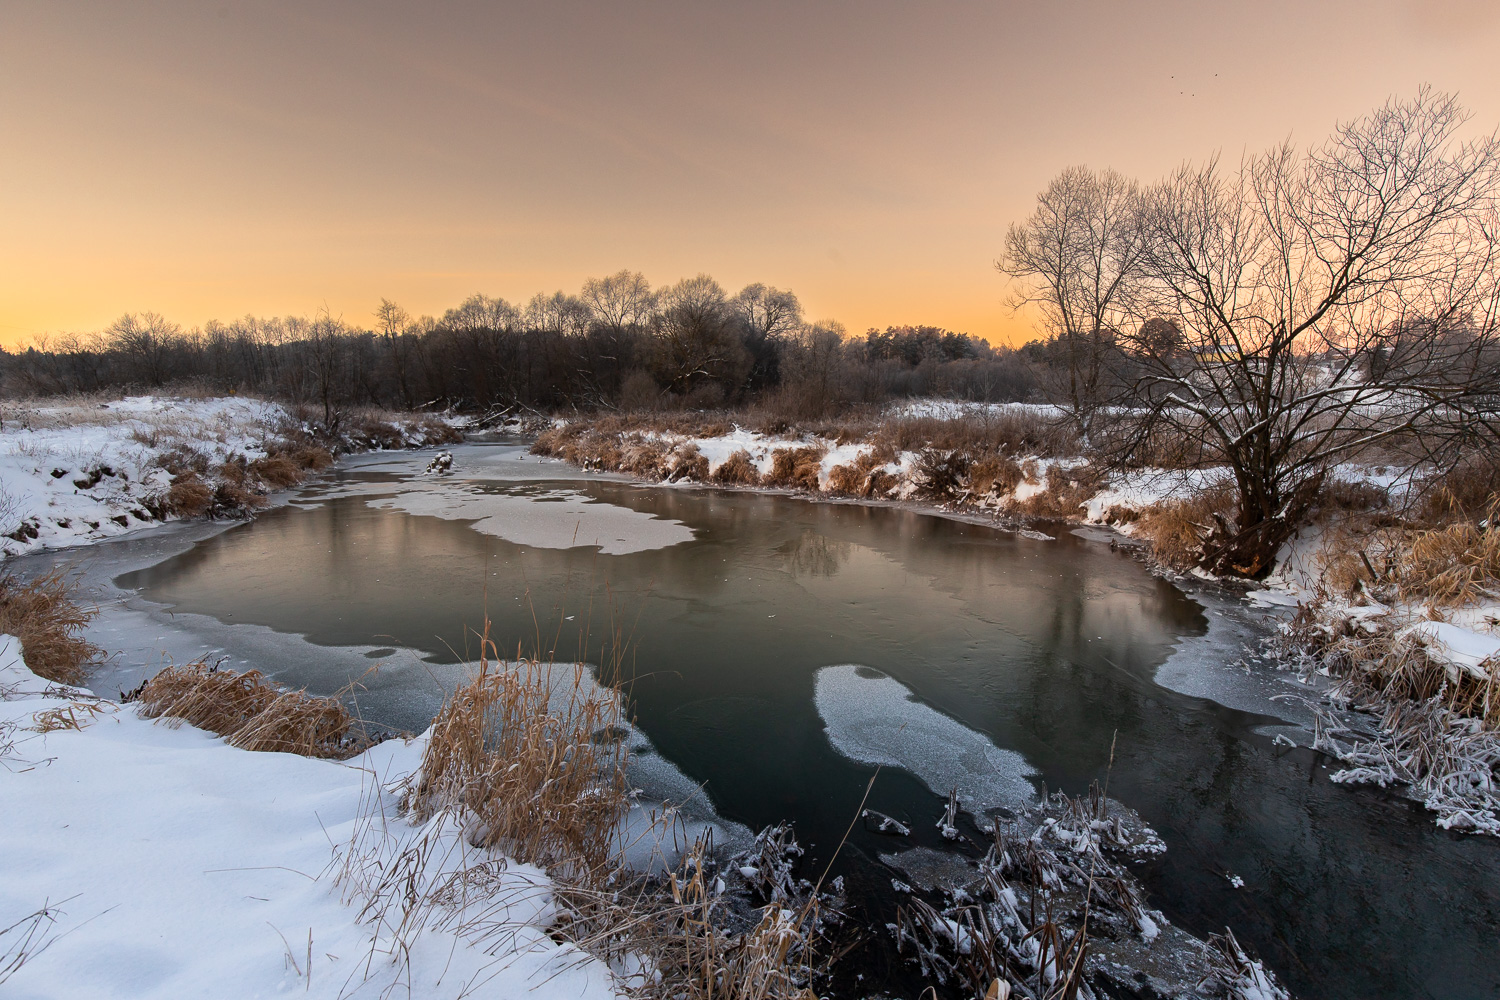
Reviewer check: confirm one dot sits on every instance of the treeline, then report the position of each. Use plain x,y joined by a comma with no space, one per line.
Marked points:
619,344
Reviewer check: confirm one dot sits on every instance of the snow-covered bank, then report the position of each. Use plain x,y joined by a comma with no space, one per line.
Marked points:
151,861
78,472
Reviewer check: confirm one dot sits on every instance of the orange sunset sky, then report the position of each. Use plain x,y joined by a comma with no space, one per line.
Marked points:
208,160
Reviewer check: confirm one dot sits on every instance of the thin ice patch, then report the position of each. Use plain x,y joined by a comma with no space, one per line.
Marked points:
875,719
548,519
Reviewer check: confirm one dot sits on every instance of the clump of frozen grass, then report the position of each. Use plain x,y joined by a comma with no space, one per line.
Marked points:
1450,762
522,764
46,615
250,712
1239,976
529,762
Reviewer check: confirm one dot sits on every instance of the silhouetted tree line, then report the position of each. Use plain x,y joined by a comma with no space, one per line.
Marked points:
617,344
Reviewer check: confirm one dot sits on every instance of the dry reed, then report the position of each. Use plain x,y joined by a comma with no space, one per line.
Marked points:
738,470
44,614
528,760
250,712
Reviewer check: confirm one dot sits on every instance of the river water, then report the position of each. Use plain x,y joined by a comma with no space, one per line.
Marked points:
779,649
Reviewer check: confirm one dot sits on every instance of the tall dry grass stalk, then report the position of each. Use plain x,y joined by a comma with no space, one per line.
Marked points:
47,617
525,760
531,757
250,712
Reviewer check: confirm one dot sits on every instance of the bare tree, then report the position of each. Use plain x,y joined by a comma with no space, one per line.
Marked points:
1076,260
1326,302
325,358
564,315
146,340
769,315
693,342
622,301
481,313
394,324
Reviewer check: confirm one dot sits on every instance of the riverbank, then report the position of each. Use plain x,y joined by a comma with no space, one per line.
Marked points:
1415,643
80,470
1124,950
151,860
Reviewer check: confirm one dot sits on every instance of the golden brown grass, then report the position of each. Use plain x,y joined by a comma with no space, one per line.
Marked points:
688,463
1066,491
46,616
1176,529
798,468
531,761
1451,566
738,470
250,712
189,495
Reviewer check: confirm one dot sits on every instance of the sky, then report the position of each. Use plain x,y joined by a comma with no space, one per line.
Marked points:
210,160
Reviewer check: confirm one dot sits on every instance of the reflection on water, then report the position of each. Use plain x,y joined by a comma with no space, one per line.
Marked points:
1044,652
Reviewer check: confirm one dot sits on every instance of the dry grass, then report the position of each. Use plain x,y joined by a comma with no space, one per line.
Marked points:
1176,529
980,434
520,755
1452,566
45,615
796,468
738,470
189,495
250,712
1466,491
688,463
1067,489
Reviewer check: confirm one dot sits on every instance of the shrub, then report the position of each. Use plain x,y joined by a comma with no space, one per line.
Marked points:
940,475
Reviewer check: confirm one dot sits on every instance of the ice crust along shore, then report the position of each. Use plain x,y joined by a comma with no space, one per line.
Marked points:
177,866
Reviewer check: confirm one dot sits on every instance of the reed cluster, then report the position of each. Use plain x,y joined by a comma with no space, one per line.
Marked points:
251,712
46,615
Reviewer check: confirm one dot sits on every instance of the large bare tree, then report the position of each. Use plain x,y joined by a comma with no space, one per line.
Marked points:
1329,302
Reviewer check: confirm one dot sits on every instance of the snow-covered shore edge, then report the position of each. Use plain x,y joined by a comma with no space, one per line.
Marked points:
1039,493
147,860
77,472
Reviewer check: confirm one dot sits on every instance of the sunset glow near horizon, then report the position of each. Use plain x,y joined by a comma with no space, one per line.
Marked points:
211,161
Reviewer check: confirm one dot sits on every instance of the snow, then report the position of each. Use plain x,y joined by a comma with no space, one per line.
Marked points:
875,719
71,471
1461,649
544,518
1143,488
950,409
177,866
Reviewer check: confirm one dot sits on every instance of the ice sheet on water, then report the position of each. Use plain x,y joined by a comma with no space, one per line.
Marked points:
873,718
544,518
